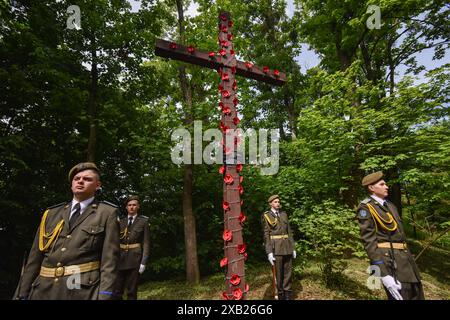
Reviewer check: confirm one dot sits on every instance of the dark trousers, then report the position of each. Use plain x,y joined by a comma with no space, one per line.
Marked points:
127,280
283,267
409,291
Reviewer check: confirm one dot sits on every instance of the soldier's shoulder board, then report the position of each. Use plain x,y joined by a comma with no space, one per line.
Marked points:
109,203
57,205
366,200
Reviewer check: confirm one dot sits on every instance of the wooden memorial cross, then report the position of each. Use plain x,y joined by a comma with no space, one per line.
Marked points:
227,66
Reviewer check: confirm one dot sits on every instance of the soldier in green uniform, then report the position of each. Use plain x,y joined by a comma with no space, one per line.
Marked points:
134,249
76,249
279,245
385,243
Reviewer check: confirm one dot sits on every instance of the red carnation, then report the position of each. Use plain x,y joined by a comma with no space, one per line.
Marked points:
220,88
226,110
235,85
222,52
225,296
241,248
225,93
237,294
223,17
231,51
235,101
224,29
245,256
235,280
265,69
233,70
230,36
242,218
228,179
247,287
241,178
225,206
190,49
227,235
236,120
223,262
225,77
211,54
248,64
221,169
224,43
172,45
239,167
276,72
230,23
241,189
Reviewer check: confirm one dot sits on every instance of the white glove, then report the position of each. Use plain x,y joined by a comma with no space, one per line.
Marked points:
294,254
271,258
141,268
393,287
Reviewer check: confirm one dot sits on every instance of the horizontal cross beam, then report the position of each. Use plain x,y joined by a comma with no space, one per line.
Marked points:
169,49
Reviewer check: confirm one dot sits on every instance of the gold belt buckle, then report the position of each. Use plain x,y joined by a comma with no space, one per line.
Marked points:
59,272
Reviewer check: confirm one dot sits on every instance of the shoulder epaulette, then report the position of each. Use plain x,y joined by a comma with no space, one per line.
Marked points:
366,200
109,203
57,205
145,217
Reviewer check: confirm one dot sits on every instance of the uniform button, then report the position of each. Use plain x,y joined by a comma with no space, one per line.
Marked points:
69,236
63,249
59,264
90,281
386,254
56,279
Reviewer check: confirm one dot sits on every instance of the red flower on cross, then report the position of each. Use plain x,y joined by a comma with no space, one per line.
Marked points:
223,262
191,49
235,280
227,235
237,294
242,218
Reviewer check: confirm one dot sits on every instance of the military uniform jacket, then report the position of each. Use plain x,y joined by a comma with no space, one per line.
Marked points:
93,237
280,228
372,234
137,233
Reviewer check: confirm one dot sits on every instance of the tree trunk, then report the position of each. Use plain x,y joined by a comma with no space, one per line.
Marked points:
190,233
92,105
292,117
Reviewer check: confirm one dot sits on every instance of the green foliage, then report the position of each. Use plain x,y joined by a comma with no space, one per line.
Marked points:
329,234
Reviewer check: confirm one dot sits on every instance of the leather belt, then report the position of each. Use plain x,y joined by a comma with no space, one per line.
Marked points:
279,236
130,246
69,270
395,245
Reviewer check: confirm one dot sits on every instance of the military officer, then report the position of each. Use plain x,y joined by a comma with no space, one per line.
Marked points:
385,243
76,248
134,249
279,245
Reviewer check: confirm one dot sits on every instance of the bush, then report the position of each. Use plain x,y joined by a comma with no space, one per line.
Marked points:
329,234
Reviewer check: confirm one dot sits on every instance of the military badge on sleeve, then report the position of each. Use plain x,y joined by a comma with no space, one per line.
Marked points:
362,214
